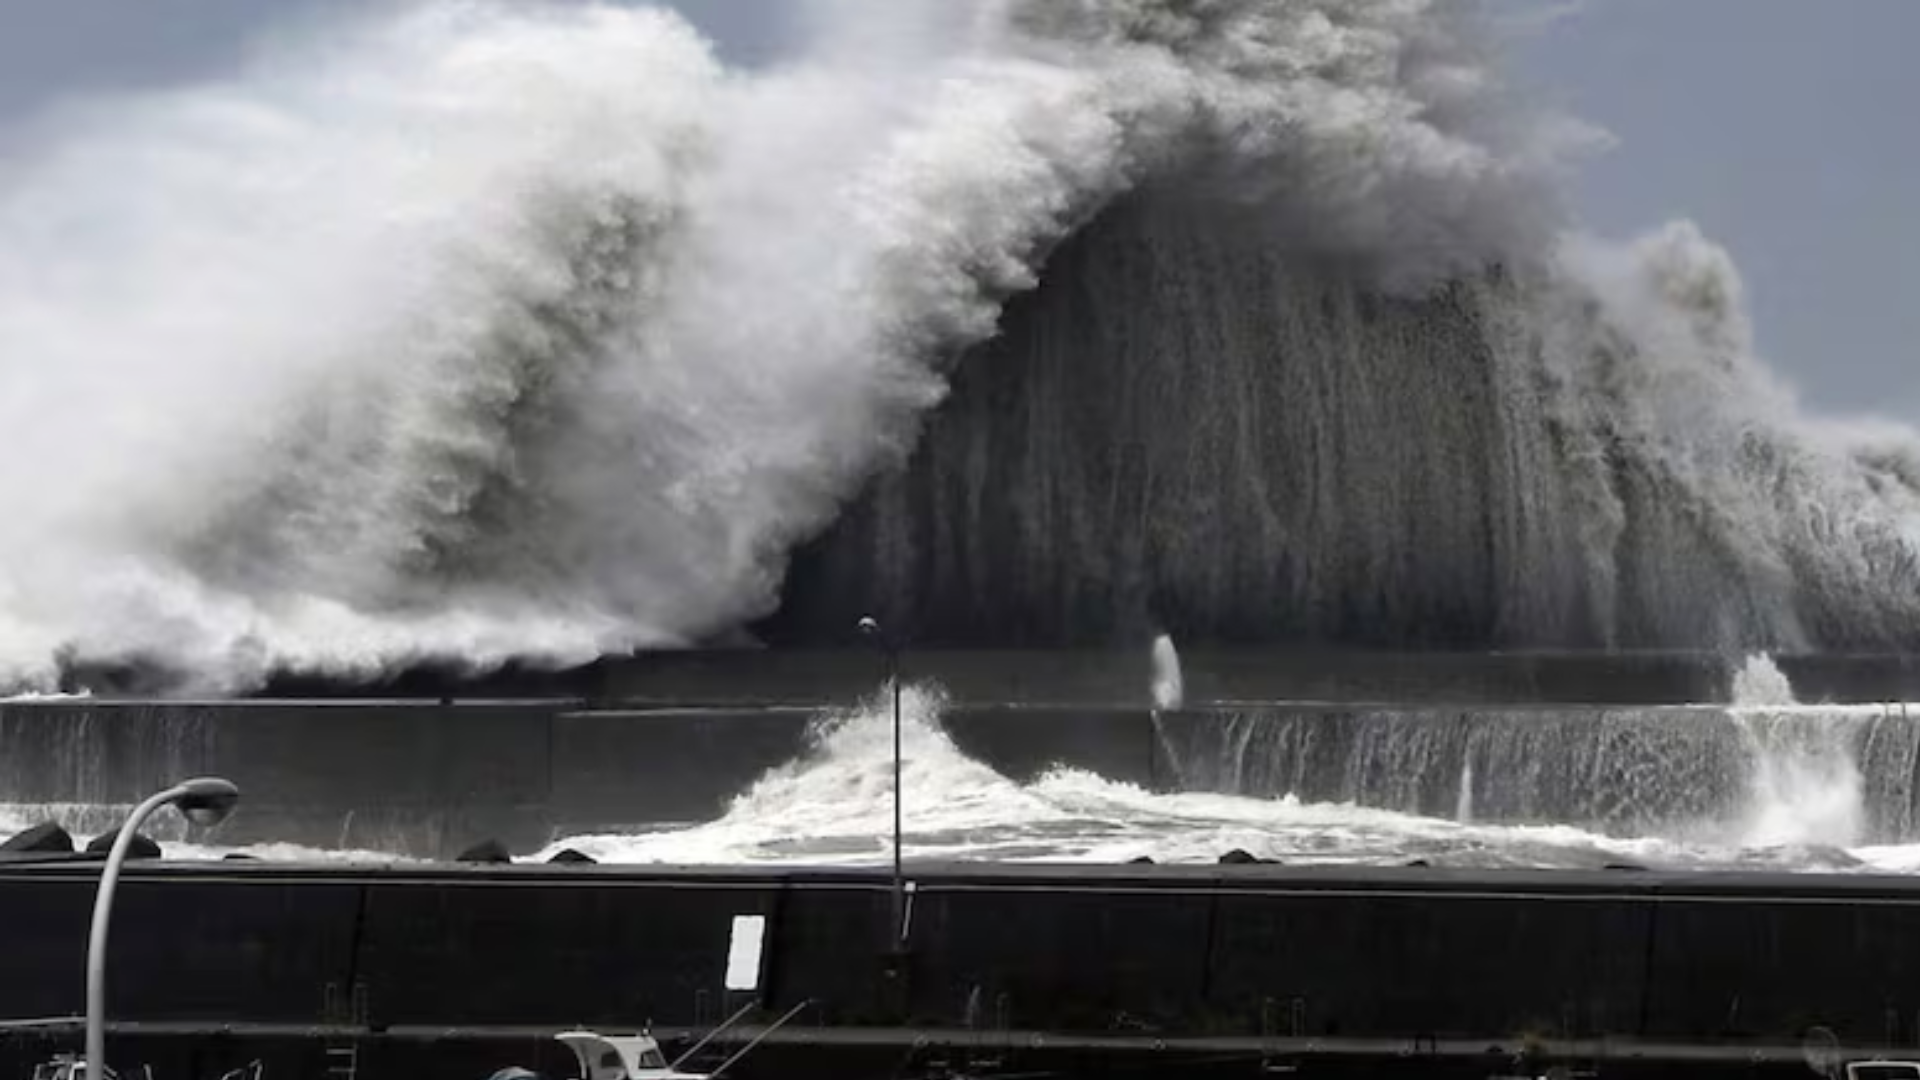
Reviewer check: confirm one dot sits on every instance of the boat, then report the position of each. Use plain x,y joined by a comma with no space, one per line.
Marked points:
1883,1070
74,1067
638,1056
621,1057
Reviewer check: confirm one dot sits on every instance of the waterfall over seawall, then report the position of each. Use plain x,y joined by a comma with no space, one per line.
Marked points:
1194,423
1739,776
424,778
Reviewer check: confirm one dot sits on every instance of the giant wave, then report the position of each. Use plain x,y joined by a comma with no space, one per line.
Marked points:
482,332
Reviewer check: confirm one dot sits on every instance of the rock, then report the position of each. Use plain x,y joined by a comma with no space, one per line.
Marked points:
1141,860
44,838
142,846
1238,857
486,851
568,855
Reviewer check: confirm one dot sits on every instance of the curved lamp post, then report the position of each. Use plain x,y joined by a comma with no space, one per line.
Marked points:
205,801
870,628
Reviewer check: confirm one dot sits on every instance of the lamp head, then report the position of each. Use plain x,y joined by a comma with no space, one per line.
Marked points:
207,800
869,626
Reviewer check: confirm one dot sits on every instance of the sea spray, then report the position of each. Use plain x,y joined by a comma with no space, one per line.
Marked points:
485,331
833,806
1806,784
1169,689
1759,683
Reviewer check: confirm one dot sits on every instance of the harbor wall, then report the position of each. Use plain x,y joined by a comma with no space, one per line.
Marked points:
427,780
1121,677
1372,961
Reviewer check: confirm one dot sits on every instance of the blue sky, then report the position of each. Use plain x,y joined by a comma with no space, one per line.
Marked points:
1786,128
1789,130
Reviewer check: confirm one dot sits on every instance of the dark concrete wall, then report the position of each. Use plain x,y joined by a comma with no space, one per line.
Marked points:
746,677
1023,744
416,779
429,780
182,947
634,769
1390,956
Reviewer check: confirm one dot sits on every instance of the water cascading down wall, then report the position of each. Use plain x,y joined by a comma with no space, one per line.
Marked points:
1198,424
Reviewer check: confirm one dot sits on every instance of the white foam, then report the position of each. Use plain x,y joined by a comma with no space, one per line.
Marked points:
834,807
1168,684
1807,787
496,330
1761,684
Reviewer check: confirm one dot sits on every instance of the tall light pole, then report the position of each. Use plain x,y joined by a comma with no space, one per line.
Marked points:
870,627
205,801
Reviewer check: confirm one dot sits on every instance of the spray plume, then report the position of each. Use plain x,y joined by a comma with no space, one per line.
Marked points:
479,331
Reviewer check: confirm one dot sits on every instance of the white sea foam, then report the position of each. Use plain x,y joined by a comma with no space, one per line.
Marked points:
1168,683
475,331
1807,786
834,806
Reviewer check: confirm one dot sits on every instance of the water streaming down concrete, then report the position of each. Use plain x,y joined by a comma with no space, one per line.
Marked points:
426,778
1684,771
1198,424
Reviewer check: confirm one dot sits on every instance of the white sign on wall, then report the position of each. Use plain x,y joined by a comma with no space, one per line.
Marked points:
743,952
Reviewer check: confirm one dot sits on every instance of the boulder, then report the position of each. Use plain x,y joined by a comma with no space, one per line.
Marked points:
486,851
142,846
46,838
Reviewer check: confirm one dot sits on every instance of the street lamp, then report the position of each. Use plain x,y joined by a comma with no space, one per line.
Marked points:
205,801
870,628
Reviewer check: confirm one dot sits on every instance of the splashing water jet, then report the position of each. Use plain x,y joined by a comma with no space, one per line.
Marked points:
1169,691
1805,784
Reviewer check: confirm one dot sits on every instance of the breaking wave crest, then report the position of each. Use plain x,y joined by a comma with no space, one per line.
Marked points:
482,332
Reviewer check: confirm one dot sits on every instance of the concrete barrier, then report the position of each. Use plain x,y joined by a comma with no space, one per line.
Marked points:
256,947
636,769
741,678
1024,743
429,780
1346,963
418,779
425,779
595,950
1733,964
1362,959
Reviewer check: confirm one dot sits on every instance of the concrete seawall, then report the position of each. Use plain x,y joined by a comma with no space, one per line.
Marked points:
1350,962
411,779
752,677
429,780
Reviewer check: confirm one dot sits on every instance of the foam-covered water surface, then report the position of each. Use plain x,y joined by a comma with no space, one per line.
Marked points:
1794,805
1762,779
86,823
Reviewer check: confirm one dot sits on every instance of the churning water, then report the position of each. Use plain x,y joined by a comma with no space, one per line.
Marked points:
1762,782
1775,786
483,331
473,331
